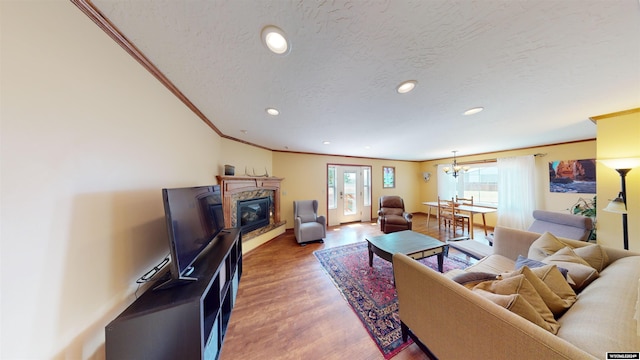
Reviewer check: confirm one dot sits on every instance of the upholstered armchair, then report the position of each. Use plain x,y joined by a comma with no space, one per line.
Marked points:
392,216
307,225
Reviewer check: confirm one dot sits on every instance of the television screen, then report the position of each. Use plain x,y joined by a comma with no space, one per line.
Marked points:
194,217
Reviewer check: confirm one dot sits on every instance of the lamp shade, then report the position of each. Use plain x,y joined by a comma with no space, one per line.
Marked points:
616,206
623,163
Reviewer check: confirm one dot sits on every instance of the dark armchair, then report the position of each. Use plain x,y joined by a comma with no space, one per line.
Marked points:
392,216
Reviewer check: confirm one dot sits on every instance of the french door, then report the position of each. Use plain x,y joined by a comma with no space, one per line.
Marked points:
349,194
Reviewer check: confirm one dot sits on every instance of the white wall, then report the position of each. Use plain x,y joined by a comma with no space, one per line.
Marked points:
88,139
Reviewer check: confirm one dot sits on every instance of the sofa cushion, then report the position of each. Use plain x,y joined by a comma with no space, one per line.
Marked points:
580,271
603,317
395,219
550,285
495,264
524,300
393,212
531,263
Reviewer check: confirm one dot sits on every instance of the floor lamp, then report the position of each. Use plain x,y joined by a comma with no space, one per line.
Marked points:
619,204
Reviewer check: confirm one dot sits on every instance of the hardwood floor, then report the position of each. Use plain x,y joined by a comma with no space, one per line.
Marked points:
288,308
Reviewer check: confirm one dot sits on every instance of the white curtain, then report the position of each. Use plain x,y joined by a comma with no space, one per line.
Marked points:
447,184
516,191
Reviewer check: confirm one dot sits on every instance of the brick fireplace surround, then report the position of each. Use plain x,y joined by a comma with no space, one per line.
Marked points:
235,188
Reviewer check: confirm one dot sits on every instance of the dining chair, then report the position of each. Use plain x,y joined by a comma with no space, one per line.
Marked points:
449,216
464,201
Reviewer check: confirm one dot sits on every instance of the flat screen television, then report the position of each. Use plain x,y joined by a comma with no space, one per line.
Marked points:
194,218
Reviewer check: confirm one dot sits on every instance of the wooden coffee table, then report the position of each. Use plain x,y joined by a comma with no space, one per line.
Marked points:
410,243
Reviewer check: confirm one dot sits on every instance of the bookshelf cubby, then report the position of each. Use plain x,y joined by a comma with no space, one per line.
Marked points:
183,322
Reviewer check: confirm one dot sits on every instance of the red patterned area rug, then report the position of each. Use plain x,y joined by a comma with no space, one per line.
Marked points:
370,290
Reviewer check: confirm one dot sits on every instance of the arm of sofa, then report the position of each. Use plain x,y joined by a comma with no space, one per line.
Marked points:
456,323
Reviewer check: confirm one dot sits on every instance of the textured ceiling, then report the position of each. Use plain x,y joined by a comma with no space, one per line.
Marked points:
539,68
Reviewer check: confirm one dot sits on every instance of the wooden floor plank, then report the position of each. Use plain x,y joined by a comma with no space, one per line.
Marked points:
288,307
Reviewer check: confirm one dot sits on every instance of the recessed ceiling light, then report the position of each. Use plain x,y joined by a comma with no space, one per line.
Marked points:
326,142
274,40
272,111
406,86
243,131
474,110
367,147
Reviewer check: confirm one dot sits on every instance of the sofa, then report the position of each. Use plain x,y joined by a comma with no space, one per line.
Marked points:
568,226
451,320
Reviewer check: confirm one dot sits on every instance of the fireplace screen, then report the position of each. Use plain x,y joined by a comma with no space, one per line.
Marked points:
253,214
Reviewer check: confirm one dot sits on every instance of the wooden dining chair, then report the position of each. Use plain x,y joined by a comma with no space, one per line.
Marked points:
464,201
449,216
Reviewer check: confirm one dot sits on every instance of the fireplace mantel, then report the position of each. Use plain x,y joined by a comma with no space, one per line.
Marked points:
230,185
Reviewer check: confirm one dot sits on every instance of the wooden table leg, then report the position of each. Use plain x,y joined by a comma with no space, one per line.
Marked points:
471,224
484,223
370,255
428,216
441,261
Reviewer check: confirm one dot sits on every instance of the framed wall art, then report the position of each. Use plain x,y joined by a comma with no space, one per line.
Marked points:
572,176
388,177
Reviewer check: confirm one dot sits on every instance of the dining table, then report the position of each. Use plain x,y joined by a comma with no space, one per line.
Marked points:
471,209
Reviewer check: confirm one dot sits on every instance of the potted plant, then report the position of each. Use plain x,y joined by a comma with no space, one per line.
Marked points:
586,207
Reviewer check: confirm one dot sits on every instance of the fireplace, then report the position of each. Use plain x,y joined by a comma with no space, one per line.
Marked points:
236,189
253,214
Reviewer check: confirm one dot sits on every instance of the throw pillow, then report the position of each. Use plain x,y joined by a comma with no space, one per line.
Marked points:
470,279
523,261
552,277
527,302
579,270
594,255
557,294
544,246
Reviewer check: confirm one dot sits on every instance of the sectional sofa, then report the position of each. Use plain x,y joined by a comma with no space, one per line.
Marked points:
467,314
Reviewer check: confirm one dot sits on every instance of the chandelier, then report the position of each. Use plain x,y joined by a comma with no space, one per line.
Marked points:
455,169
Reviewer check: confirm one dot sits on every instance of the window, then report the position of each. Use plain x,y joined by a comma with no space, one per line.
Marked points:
331,188
481,182
366,178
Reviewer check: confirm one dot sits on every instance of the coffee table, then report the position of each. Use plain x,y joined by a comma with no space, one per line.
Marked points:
408,242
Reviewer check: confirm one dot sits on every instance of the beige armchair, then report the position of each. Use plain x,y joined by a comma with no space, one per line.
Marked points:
307,225
392,216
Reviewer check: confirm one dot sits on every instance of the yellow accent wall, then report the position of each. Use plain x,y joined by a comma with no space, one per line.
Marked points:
559,202
618,137
305,178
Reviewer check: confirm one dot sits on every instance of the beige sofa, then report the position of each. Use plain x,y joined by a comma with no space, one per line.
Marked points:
453,322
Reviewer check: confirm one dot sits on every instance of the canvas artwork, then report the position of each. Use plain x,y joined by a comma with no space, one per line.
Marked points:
573,176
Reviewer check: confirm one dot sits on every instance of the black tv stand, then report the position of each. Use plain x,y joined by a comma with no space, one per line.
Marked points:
188,321
173,282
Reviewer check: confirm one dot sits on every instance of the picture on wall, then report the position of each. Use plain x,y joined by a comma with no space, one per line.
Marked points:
573,176
388,177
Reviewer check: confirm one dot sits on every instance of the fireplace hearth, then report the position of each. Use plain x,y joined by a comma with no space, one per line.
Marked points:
253,214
